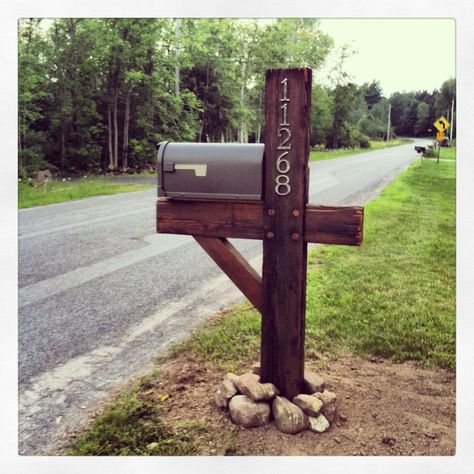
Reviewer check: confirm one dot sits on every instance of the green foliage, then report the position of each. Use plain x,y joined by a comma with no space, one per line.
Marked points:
231,340
131,426
321,114
31,194
98,93
413,114
372,93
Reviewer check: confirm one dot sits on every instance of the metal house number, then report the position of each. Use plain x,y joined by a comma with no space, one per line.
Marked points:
282,180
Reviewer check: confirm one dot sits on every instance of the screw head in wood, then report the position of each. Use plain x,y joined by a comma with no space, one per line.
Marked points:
270,235
271,212
295,236
296,213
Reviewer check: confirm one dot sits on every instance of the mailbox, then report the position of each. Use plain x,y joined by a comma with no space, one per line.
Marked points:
210,170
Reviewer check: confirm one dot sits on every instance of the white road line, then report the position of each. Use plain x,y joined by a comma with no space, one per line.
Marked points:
96,370
52,230
157,244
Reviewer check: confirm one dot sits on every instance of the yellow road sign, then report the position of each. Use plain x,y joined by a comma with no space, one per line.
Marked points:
440,136
441,124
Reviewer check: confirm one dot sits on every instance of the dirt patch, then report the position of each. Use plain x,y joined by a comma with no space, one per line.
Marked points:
391,409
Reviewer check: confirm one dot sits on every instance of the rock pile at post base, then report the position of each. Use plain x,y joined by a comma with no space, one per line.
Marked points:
252,404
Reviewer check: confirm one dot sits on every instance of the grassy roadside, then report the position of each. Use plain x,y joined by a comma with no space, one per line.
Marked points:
393,297
62,191
447,153
374,145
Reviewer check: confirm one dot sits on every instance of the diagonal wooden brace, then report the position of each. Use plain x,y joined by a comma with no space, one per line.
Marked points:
212,222
234,265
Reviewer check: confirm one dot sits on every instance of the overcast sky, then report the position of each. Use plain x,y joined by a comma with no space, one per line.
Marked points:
402,54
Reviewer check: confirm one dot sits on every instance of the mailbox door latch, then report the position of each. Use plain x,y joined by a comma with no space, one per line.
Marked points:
199,169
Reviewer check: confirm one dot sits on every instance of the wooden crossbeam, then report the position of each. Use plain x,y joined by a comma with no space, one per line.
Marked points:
234,265
245,220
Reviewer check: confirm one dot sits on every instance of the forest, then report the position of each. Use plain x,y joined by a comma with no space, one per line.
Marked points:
99,94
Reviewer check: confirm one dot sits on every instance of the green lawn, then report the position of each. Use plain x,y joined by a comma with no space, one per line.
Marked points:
374,145
62,191
447,153
393,297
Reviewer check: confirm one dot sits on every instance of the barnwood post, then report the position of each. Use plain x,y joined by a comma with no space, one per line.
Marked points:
287,126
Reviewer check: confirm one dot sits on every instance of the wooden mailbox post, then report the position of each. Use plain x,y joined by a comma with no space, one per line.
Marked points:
283,220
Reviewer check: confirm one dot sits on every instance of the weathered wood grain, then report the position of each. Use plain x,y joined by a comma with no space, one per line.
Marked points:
231,262
284,246
228,219
210,218
334,225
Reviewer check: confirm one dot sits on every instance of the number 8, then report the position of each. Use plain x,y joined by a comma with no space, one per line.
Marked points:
285,183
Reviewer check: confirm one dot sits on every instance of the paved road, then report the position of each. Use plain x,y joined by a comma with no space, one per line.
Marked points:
100,294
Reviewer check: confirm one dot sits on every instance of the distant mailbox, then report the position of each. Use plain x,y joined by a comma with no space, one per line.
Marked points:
210,170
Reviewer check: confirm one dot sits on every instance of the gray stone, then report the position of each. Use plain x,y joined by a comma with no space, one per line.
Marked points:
225,392
247,413
289,418
318,424
232,377
44,176
329,409
248,384
309,404
313,383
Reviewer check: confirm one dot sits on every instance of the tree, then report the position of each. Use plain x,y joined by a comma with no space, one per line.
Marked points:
32,79
344,100
75,129
372,93
423,119
321,114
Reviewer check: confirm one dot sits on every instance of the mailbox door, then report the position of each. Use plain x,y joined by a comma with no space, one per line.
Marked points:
210,170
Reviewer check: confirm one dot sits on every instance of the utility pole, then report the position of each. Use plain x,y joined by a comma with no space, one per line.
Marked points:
452,120
178,51
388,122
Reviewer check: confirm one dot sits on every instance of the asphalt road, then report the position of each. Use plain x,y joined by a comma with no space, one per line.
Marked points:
101,294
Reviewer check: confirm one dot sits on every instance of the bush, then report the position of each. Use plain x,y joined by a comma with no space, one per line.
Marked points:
364,141
358,139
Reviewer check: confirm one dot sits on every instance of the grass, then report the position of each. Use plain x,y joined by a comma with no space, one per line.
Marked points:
62,191
374,145
446,153
131,426
393,297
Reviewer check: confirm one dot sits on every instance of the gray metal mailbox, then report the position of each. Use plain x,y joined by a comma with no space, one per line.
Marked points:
210,170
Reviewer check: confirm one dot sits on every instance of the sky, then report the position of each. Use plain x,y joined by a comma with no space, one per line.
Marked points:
402,54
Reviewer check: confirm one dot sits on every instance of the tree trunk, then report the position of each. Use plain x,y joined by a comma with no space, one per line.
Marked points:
115,128
110,140
259,126
62,157
126,123
201,130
